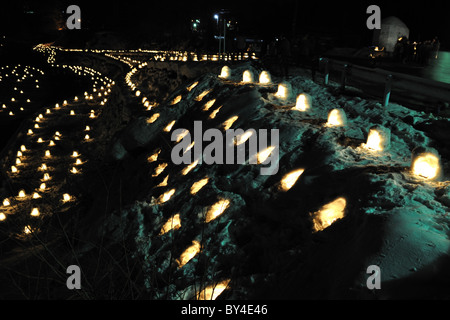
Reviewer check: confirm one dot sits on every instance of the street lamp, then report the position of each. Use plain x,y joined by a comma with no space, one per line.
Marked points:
216,16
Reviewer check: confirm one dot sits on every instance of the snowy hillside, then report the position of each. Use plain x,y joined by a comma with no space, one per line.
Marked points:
266,241
344,189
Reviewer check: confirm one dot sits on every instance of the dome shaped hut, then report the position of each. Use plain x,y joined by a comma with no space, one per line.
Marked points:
392,29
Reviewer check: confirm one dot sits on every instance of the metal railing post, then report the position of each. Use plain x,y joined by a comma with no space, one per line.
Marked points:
387,90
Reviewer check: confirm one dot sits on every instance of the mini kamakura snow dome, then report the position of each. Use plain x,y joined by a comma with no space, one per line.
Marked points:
328,214
265,78
284,90
247,76
426,163
379,138
225,73
336,118
303,102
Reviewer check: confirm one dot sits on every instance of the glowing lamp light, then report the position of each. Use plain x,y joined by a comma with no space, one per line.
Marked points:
166,196
213,291
13,169
336,118
192,86
181,135
169,126
22,194
247,76
23,148
35,212
426,164
2,216
40,140
46,177
242,138
78,162
66,197
164,182
87,128
86,137
228,123
27,230
42,187
19,153
189,253
303,102
378,139
202,95
217,209
214,113
196,186
173,223
47,153
72,112
6,202
290,179
189,167
225,72
138,93
176,100
154,156
75,154
209,104
265,78
36,195
74,170
159,169
18,161
328,214
262,156
51,143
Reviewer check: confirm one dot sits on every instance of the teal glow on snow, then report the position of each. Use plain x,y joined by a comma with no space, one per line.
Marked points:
440,69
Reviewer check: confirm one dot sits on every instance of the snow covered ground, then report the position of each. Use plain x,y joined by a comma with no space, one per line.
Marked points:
225,230
264,243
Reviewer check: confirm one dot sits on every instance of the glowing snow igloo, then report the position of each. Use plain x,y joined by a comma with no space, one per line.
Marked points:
379,138
284,91
265,78
336,118
303,102
247,76
426,163
225,73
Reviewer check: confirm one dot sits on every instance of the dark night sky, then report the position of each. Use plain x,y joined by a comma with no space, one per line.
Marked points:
424,18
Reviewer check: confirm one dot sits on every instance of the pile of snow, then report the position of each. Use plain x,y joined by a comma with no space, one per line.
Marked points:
264,240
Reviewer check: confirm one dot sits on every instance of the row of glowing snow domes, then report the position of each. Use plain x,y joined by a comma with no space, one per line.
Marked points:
425,162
